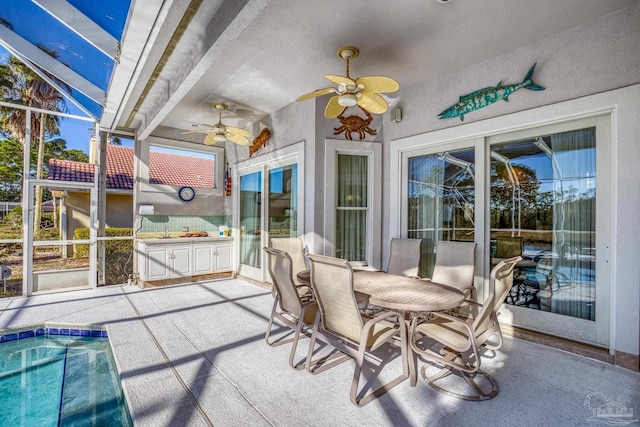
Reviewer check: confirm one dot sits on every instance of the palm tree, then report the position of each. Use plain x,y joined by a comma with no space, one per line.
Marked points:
20,84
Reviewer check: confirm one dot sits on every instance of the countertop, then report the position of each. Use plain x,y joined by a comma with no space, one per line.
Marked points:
172,240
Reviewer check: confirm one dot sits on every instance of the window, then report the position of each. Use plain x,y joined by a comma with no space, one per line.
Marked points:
352,207
352,201
178,167
166,165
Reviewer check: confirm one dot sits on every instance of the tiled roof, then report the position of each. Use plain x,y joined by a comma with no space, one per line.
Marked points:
164,168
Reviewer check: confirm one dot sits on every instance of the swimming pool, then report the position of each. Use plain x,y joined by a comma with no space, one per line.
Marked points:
59,377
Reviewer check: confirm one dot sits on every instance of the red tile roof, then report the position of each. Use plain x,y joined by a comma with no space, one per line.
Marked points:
164,168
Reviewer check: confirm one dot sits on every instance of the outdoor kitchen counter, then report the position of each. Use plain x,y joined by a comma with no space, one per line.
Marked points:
173,260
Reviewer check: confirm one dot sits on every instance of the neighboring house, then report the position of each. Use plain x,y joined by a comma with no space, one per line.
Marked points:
165,169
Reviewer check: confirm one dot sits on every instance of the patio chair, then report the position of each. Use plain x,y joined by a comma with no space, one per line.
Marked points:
297,308
460,340
404,257
340,324
455,266
294,246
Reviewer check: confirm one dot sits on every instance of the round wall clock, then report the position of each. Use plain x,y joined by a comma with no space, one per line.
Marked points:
186,194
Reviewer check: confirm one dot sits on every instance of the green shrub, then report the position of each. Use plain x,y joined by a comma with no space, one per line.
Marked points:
111,246
13,217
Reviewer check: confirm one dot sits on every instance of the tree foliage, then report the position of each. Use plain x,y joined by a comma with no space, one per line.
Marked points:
11,165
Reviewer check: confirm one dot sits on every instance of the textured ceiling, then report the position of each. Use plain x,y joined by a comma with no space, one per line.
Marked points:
265,59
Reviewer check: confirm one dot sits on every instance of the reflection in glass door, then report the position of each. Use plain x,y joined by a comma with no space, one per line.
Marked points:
543,208
441,201
250,219
283,201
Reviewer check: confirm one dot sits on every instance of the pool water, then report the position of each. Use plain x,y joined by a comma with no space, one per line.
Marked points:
53,380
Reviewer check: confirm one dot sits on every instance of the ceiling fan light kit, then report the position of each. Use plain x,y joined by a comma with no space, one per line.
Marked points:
348,100
220,132
363,91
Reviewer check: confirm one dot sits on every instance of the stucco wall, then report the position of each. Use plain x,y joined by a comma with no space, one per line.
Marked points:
165,199
119,211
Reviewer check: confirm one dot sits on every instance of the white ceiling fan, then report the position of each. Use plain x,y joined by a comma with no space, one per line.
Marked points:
220,132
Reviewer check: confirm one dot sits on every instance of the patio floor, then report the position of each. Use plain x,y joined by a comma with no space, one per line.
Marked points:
194,355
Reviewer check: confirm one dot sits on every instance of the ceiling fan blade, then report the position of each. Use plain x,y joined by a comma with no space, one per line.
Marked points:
372,102
196,131
339,79
209,139
333,109
232,130
237,139
315,93
378,84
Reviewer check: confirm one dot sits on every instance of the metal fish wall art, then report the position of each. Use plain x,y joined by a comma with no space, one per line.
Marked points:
487,96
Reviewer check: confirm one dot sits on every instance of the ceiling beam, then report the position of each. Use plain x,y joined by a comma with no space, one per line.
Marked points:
144,26
229,22
80,24
33,55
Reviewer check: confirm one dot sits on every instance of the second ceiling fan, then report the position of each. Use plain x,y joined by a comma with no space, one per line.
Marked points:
362,91
220,132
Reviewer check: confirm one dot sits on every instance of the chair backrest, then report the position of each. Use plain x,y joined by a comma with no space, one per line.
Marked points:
508,247
404,257
294,246
332,283
500,283
455,263
279,266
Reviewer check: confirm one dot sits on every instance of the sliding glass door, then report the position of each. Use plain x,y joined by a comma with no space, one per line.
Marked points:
440,200
283,201
549,205
268,206
251,220
540,194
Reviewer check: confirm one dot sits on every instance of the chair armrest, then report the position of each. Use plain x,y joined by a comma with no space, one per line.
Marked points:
415,323
384,315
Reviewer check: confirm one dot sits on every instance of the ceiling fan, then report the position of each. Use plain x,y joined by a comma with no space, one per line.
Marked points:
221,133
362,91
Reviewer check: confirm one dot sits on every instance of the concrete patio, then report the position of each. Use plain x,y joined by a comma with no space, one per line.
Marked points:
194,355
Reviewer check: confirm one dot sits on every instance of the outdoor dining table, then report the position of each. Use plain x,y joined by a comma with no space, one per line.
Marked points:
407,295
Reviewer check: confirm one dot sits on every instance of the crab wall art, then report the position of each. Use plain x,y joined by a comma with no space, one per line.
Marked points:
355,123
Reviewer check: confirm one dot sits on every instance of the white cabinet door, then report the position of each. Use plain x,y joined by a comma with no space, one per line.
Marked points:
203,259
181,261
223,258
156,264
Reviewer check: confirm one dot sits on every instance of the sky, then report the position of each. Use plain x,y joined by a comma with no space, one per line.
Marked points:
36,26
76,132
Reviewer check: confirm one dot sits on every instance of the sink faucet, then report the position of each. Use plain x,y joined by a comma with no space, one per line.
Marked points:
165,231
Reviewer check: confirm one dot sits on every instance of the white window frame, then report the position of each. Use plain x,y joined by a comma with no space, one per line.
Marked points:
373,151
146,186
